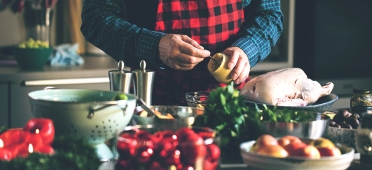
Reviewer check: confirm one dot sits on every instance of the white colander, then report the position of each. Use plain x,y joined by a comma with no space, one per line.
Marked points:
87,113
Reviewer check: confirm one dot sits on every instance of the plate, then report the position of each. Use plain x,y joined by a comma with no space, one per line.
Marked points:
264,162
321,105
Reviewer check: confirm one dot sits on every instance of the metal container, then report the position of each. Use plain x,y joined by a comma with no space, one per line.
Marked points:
144,80
311,130
86,113
121,80
183,117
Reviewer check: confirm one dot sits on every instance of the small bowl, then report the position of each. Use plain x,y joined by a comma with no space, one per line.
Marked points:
258,161
142,147
197,99
343,136
220,70
183,116
32,58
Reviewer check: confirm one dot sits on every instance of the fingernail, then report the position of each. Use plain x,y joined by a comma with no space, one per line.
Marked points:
230,65
234,76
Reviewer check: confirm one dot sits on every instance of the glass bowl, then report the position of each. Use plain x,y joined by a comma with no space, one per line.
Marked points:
197,99
148,147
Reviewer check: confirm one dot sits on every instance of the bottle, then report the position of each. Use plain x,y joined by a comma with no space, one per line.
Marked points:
361,101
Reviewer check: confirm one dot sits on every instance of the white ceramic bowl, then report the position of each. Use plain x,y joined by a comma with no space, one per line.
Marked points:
264,162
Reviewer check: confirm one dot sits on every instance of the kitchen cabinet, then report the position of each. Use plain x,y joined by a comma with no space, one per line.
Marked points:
4,104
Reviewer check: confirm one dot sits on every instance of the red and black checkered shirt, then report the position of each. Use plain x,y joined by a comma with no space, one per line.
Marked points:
129,30
211,23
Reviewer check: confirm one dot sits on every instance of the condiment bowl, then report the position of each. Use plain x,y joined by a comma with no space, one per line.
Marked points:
32,58
183,116
197,99
220,70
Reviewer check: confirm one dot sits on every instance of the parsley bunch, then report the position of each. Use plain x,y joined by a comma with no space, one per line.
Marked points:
72,153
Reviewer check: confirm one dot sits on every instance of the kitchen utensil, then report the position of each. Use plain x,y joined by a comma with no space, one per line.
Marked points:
312,129
145,107
144,82
321,105
88,113
264,162
220,71
121,80
183,116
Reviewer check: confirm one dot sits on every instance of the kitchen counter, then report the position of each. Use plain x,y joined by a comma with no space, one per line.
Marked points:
355,165
94,66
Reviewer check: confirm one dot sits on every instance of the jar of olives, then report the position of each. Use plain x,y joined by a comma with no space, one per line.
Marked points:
361,101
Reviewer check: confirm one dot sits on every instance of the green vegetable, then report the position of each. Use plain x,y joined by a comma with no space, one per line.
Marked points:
235,122
31,43
120,96
72,153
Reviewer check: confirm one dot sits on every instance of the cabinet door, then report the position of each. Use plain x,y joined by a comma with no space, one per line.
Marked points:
20,111
4,103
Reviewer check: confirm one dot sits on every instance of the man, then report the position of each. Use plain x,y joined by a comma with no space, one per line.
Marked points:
176,38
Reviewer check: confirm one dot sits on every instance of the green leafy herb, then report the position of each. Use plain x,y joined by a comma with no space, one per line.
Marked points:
236,122
72,153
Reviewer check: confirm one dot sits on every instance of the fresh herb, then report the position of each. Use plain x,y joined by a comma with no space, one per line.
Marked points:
236,122
72,153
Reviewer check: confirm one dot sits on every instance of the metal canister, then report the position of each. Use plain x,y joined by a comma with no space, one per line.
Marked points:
361,101
121,79
144,80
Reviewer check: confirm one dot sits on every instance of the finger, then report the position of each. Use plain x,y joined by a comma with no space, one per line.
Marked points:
189,40
190,50
242,71
188,59
234,57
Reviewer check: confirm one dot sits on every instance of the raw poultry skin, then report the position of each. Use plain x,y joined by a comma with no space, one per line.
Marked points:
285,87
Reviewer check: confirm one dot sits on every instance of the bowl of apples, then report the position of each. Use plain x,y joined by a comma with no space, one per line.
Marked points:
293,153
32,54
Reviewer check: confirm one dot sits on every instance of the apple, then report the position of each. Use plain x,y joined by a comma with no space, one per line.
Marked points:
264,141
322,143
308,151
273,150
284,141
326,151
292,147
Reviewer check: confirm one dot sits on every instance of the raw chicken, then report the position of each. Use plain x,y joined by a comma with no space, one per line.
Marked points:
285,87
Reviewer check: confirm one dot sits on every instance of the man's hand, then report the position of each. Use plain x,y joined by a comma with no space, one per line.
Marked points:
239,64
180,52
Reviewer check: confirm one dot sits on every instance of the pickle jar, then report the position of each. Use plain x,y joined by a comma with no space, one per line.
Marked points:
361,101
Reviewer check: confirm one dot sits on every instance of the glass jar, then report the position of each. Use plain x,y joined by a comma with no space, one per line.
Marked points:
363,139
361,101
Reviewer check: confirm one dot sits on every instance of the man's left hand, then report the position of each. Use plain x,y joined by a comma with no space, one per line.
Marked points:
239,64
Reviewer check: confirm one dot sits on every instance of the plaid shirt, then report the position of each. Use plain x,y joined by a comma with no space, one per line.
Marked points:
124,29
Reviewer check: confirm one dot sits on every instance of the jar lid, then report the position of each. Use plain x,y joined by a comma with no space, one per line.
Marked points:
363,91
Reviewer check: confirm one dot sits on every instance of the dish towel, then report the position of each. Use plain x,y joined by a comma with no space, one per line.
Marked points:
66,55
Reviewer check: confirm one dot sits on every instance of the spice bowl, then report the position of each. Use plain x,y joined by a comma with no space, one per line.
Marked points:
142,147
168,117
197,99
218,67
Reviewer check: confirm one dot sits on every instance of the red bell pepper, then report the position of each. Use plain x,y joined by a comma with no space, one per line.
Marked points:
42,127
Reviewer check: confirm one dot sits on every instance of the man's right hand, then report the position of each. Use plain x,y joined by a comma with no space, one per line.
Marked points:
180,52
